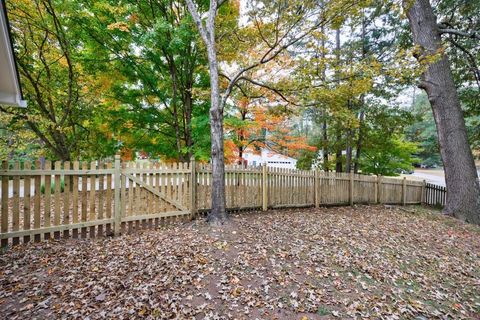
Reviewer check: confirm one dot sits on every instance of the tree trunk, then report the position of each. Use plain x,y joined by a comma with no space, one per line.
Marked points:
358,152
361,117
325,143
338,154
463,190
188,126
218,214
348,154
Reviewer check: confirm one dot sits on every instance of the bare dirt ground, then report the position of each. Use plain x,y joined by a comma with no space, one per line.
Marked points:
361,262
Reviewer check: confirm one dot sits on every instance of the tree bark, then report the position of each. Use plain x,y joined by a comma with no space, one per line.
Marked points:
218,214
338,154
463,190
358,152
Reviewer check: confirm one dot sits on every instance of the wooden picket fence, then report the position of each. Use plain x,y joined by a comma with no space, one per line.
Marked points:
435,195
79,199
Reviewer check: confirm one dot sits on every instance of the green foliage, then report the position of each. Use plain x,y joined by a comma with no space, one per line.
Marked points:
388,157
424,132
107,76
52,187
159,83
17,141
306,160
386,151
61,95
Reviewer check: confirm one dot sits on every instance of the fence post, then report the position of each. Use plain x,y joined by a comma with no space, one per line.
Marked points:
350,189
117,220
193,187
423,197
379,188
404,191
264,187
317,188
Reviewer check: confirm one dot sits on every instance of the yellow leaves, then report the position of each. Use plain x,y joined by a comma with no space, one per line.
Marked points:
222,245
129,124
63,61
122,26
236,292
202,260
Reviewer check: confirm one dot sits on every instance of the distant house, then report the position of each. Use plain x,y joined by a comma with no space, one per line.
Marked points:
10,90
271,158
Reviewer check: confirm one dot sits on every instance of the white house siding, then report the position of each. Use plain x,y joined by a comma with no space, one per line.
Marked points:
271,158
10,92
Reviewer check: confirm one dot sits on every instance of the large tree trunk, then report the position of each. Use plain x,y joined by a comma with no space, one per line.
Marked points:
463,190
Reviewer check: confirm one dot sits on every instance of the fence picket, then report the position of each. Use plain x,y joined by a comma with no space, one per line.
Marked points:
76,166
66,199
84,199
26,201
101,194
4,220
37,201
16,204
48,200
108,198
93,187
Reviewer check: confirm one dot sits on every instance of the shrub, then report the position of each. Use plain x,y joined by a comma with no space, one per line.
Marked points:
52,187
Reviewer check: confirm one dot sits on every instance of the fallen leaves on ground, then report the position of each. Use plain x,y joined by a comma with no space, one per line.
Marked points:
361,262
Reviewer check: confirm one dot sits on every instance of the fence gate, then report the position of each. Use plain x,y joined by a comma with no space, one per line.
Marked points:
152,191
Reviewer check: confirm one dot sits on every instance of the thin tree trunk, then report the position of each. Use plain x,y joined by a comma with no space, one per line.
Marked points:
324,113
361,117
463,190
358,151
338,154
348,153
188,125
218,214
240,155
325,143
349,141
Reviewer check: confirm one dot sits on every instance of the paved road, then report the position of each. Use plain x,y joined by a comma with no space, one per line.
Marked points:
435,176
430,178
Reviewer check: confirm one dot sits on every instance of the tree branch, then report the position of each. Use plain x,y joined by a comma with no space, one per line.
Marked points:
266,86
472,35
198,21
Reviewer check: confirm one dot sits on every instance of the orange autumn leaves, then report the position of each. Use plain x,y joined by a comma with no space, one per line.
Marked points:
254,126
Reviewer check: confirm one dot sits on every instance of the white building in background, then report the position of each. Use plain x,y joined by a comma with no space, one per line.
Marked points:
271,158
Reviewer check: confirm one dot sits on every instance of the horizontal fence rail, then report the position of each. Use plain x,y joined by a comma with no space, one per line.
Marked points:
44,200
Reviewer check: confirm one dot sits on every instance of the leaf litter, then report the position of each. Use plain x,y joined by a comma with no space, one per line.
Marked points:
328,263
